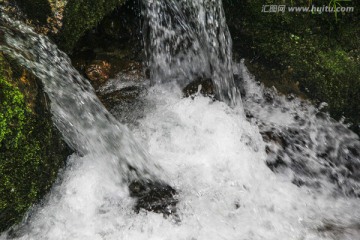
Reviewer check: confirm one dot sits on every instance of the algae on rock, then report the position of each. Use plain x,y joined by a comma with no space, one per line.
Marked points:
31,149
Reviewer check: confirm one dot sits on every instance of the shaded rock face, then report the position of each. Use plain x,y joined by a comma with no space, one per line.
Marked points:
31,149
80,16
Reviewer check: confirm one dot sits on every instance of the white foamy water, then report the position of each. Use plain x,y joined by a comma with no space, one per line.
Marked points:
216,160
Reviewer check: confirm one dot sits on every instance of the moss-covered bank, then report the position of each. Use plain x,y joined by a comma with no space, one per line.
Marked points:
31,150
315,54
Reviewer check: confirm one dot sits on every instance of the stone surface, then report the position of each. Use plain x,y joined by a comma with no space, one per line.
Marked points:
200,85
154,196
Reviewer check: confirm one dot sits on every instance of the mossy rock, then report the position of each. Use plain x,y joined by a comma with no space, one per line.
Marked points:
82,15
317,54
66,21
31,149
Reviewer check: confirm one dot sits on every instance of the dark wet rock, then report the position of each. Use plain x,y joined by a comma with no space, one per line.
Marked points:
207,88
201,85
154,196
127,94
126,104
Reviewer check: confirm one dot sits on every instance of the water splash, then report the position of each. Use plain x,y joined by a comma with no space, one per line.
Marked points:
303,142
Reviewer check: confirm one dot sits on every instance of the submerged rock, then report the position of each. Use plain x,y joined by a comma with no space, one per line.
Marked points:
201,85
205,87
154,196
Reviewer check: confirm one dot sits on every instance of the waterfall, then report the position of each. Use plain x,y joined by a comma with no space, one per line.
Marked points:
283,171
185,40
77,112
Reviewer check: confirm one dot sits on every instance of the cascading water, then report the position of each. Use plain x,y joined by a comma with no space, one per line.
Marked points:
213,155
186,40
78,113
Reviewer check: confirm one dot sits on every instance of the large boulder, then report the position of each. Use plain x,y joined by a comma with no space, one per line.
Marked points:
82,15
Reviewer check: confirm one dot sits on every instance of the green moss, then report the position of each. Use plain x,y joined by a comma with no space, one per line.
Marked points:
12,113
82,15
31,152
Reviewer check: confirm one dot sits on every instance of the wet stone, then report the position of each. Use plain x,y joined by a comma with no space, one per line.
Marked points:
126,104
127,94
201,85
205,87
155,197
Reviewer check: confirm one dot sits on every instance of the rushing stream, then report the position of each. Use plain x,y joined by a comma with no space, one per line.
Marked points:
271,167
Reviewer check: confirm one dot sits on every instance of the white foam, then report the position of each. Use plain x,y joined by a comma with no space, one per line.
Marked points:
215,159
